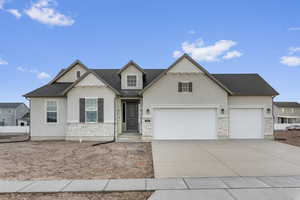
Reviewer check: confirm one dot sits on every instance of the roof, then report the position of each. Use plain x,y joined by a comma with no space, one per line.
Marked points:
130,63
10,105
186,56
49,90
287,104
234,84
246,84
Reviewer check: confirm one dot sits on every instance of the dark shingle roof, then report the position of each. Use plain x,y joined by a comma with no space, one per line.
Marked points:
239,84
9,105
53,90
287,104
246,84
112,77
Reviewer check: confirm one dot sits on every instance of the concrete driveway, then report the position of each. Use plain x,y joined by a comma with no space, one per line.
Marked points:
224,158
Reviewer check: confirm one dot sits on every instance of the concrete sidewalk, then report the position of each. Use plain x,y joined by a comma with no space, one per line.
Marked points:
109,185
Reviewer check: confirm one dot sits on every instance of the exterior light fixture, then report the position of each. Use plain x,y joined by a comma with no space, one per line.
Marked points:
222,111
268,110
148,111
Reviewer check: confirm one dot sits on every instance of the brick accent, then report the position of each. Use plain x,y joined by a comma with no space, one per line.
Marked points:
96,130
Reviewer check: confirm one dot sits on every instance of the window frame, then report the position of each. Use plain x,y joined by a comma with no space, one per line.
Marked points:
46,111
85,110
136,80
76,74
187,87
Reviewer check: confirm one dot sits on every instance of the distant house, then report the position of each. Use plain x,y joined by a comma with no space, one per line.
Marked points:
287,112
11,113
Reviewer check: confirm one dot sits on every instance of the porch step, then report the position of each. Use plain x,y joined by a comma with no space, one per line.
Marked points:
131,138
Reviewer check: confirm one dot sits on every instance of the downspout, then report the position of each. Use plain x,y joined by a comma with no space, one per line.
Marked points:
114,137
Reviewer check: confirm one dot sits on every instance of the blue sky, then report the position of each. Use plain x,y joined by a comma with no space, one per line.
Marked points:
39,37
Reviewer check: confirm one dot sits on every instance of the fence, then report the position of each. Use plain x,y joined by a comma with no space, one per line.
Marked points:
13,130
282,126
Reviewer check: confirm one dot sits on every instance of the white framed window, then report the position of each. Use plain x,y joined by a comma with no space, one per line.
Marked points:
131,80
185,87
288,110
51,112
91,110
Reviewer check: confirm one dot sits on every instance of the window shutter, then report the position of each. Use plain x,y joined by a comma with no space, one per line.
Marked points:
82,110
100,110
179,87
190,87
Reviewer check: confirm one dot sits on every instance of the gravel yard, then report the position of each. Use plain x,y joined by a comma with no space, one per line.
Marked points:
73,160
79,196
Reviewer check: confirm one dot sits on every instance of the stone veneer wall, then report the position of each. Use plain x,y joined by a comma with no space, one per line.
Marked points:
268,126
118,116
223,126
91,131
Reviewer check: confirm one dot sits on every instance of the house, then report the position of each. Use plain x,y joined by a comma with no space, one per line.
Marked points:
287,112
10,113
183,101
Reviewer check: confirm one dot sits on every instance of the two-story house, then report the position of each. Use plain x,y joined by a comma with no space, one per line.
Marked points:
11,113
287,112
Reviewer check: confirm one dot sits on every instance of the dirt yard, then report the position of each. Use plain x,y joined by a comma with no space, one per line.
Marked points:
288,137
79,196
73,160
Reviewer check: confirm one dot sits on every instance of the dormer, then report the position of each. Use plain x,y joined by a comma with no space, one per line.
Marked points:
72,73
131,76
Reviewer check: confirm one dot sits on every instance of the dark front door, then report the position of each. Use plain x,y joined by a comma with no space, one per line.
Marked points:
132,116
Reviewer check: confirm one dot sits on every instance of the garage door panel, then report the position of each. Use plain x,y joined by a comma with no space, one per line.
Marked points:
184,123
245,123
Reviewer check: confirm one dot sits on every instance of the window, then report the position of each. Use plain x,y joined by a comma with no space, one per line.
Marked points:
185,87
131,81
78,74
91,110
51,112
288,110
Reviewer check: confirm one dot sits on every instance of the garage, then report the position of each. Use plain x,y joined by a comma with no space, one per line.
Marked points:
245,123
184,123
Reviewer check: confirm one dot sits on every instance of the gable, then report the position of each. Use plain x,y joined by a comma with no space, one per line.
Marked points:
131,70
90,81
70,76
185,66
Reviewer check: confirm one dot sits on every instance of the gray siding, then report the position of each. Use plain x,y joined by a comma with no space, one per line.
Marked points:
11,115
278,112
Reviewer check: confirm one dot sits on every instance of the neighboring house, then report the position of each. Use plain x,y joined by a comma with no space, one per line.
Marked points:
183,101
10,113
287,112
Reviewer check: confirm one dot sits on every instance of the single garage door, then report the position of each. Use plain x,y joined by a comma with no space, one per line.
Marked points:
184,123
245,123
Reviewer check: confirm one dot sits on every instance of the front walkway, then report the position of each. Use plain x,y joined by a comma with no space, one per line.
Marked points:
112,185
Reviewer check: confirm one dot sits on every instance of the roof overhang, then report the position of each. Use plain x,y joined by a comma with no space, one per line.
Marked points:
197,65
131,63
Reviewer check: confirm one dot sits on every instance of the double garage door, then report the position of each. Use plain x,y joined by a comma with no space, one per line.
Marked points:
201,123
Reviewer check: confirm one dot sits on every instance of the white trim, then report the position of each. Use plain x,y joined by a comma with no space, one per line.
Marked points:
294,117
185,106
246,106
57,112
131,87
85,117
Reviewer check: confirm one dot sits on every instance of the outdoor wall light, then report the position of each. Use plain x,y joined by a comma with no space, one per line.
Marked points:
222,110
268,110
148,111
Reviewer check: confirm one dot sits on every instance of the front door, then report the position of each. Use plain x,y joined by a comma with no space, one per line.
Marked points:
132,116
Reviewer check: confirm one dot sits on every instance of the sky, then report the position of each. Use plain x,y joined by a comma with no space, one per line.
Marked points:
40,37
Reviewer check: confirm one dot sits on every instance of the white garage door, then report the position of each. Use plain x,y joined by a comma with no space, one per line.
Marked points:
184,123
245,123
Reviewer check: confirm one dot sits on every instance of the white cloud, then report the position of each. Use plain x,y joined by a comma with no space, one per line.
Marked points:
3,62
43,75
39,75
44,12
294,29
2,2
232,54
191,32
14,12
291,61
209,53
293,50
